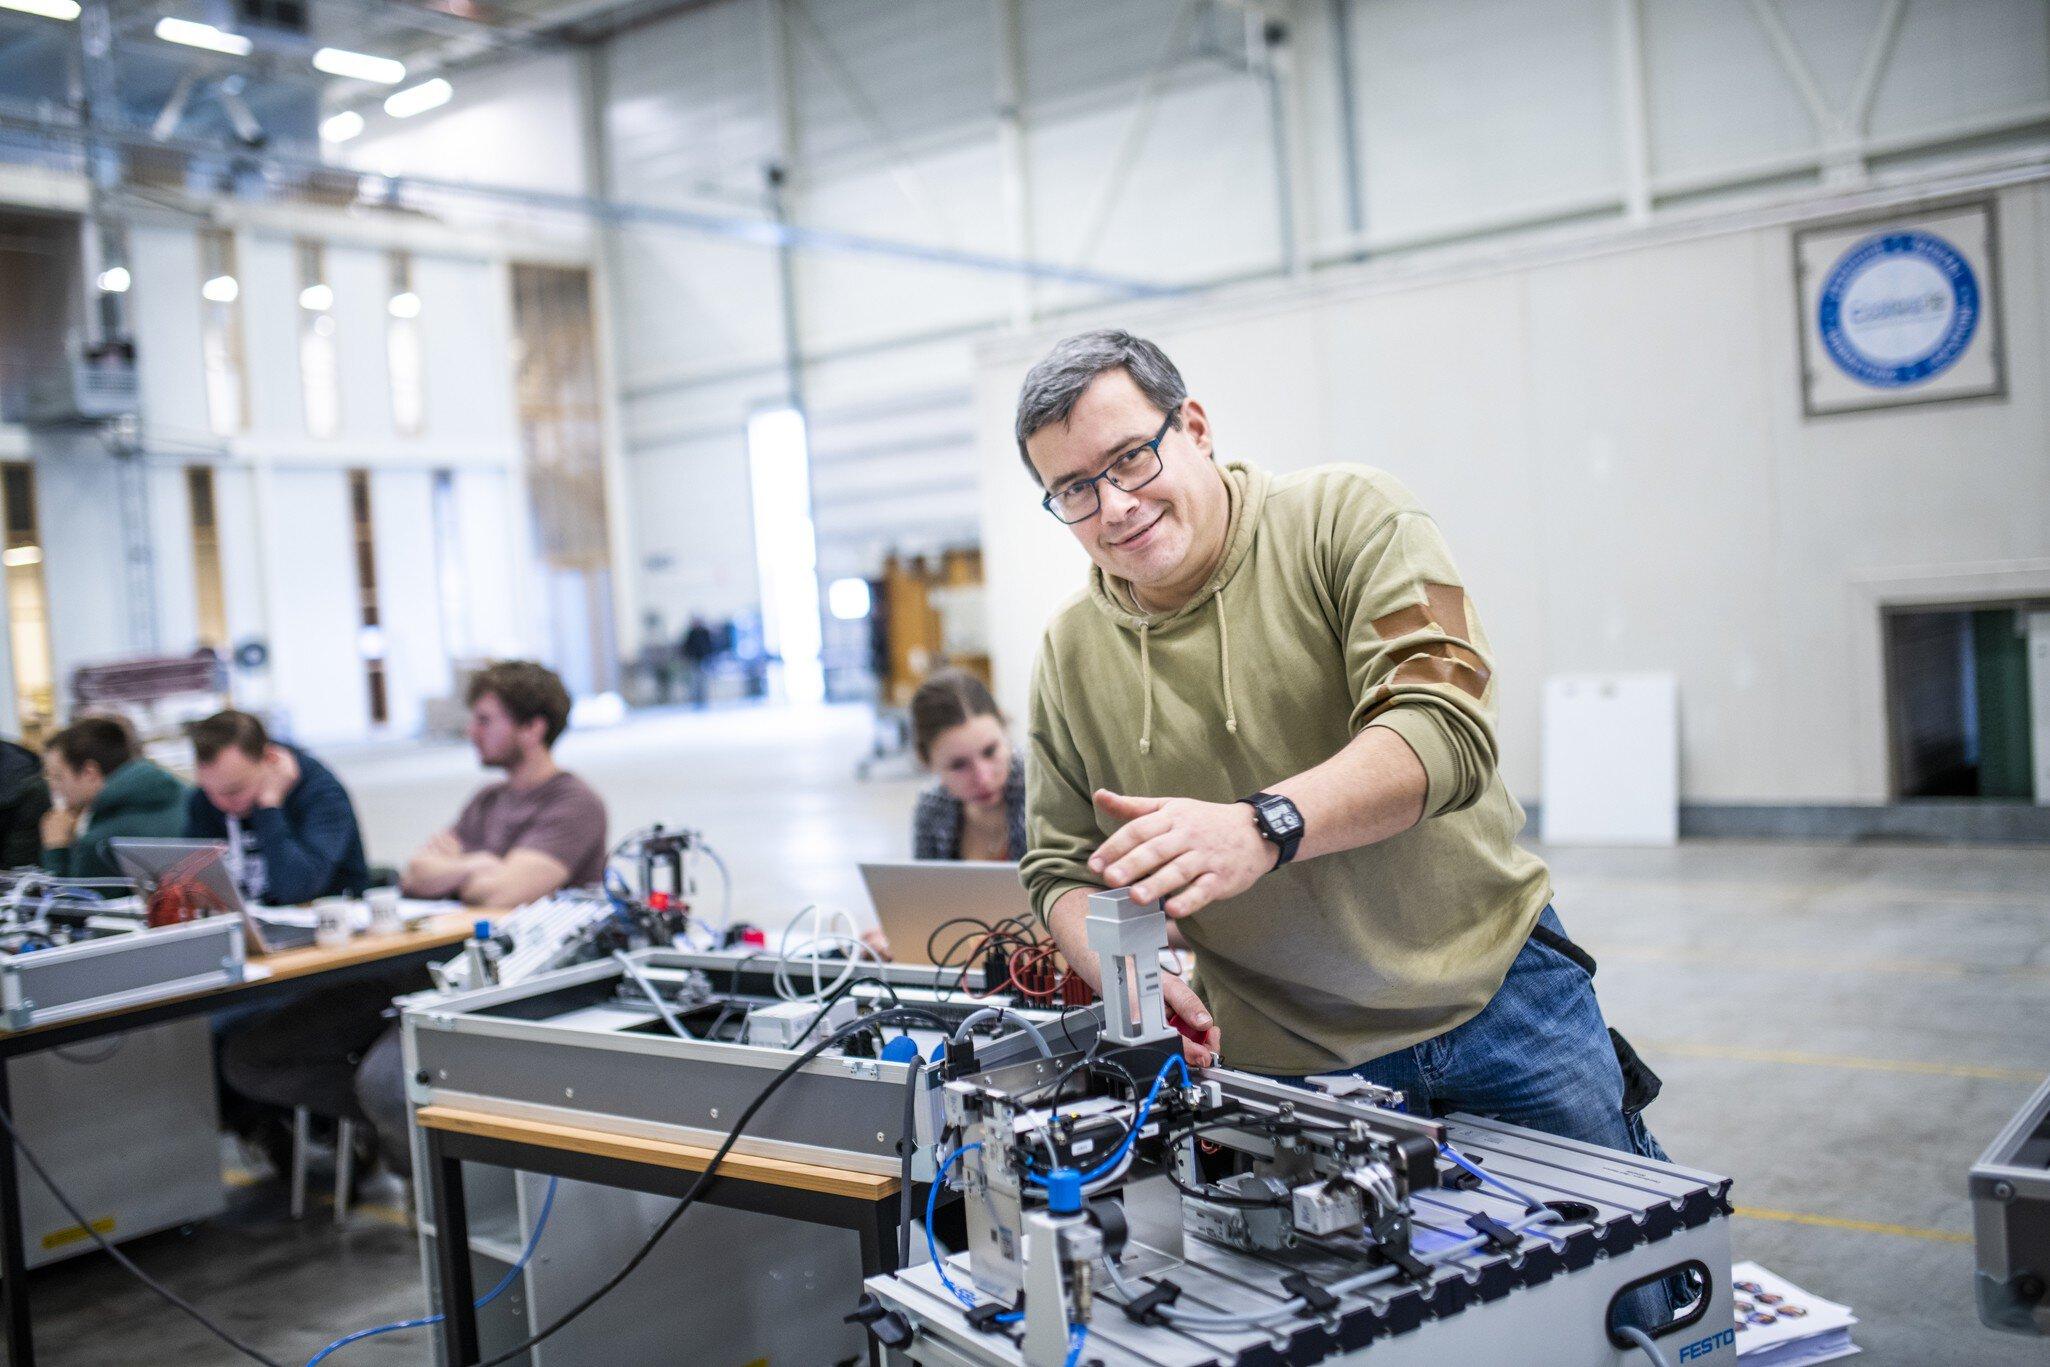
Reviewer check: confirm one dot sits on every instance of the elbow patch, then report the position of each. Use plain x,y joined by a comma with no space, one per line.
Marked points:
1450,662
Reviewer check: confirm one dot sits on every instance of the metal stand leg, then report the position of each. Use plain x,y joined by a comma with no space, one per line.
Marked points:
875,1225
21,1347
345,1167
879,1238
302,1139
452,1256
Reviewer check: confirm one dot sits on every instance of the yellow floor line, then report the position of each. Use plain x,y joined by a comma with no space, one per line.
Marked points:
383,1214
377,1210
1817,963
1795,1217
1686,1049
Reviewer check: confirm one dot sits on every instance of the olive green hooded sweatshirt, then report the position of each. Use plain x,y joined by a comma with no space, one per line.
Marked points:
1336,607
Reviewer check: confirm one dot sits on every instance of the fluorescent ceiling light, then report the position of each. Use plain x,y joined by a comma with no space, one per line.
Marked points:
419,99
317,298
114,280
222,289
338,61
48,9
18,556
405,305
341,127
202,35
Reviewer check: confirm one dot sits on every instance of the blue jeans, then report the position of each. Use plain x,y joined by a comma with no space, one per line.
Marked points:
1538,1054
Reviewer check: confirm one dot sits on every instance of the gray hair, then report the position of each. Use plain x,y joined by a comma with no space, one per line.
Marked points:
1053,386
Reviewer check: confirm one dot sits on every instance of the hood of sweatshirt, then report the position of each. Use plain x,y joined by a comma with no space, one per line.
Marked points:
1246,489
137,784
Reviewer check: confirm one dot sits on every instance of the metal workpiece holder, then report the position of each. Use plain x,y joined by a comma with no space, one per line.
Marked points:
1128,937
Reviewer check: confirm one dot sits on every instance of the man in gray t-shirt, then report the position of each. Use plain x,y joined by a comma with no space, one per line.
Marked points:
537,830
541,828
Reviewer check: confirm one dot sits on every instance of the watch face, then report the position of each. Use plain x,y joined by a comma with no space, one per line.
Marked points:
1281,816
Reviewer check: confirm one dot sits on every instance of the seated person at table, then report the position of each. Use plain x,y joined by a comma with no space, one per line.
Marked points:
290,827
24,797
105,790
977,809
540,828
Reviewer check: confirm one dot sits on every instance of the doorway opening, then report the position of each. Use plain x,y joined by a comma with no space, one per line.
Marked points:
1968,701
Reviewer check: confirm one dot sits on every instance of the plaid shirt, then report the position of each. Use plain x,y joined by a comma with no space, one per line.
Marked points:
936,825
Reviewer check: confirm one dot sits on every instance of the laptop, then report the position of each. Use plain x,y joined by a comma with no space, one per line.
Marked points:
914,898
204,864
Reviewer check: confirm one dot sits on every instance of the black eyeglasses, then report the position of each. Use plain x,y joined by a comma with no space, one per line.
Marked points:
1078,499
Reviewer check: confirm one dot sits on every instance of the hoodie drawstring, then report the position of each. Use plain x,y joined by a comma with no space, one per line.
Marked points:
1146,687
1231,716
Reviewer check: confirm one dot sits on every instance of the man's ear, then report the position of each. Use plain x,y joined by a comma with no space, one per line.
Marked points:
1197,424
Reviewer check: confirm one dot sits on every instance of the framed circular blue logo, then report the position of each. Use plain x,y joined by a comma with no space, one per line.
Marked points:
1898,308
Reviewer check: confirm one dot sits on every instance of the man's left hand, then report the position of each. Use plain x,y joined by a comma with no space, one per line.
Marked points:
1187,852
278,771
59,825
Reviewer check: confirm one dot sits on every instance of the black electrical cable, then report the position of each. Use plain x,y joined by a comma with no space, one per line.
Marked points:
705,1178
122,1259
932,956
745,960
907,1142
1222,1198
836,994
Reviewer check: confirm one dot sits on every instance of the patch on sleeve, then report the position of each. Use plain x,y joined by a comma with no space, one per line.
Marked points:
1448,607
1405,621
1441,664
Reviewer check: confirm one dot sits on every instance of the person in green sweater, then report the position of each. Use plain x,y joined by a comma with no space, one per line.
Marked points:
105,790
1273,710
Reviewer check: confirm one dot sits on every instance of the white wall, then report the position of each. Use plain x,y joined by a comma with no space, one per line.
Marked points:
1149,152
409,606
508,125
79,513
320,686
1615,447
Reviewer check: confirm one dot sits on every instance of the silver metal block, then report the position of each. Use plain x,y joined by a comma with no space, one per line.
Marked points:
1128,938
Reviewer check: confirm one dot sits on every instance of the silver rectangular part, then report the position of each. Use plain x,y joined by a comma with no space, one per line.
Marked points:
119,971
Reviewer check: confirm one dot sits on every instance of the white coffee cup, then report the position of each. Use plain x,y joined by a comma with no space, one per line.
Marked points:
384,911
332,929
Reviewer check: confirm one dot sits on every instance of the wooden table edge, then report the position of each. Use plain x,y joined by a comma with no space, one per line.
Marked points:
662,1153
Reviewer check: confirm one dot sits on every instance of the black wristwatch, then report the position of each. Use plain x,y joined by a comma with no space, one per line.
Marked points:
1279,822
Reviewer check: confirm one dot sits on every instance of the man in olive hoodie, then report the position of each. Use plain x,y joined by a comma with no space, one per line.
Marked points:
1274,708
105,791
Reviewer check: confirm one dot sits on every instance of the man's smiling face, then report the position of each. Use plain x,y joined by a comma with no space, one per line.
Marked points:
1150,535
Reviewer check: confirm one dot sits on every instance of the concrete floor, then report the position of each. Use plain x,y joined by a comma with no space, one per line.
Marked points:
1840,1028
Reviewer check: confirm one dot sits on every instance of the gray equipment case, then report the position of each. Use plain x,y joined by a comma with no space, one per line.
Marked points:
120,970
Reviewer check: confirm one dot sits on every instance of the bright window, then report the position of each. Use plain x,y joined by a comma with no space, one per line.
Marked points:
319,378
403,350
220,338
